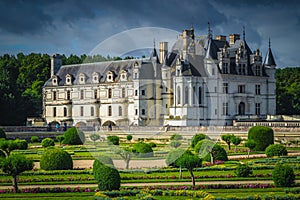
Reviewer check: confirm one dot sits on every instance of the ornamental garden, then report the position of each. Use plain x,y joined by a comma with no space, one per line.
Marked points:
256,167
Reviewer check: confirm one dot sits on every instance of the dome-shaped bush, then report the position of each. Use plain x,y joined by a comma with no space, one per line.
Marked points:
2,133
115,140
102,160
283,176
21,144
262,136
213,149
196,138
47,142
73,136
276,150
107,177
143,149
56,159
34,139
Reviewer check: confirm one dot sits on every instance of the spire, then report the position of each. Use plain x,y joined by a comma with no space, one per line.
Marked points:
154,54
209,31
211,50
269,60
244,35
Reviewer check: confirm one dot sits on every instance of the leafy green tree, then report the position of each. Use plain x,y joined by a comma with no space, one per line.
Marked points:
7,146
14,165
250,144
196,138
21,144
94,137
283,176
34,139
125,153
263,136
227,138
210,151
236,141
113,139
60,139
129,138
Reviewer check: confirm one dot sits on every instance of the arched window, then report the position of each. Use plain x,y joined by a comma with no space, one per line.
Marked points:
109,93
120,111
199,96
178,95
65,111
186,95
241,110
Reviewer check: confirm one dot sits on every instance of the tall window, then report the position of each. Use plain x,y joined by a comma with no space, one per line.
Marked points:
225,88
109,111
194,95
68,95
143,92
109,93
54,112
136,111
225,108
225,68
65,111
241,89
123,93
81,111
136,93
143,112
178,95
199,96
257,70
120,111
81,94
257,108
92,111
240,68
257,89
186,95
54,95
95,94
241,110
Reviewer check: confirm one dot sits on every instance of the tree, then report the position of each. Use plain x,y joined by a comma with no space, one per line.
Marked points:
173,156
56,159
60,139
2,133
236,141
250,144
189,161
21,144
73,136
263,136
94,137
276,150
283,176
34,139
196,138
7,146
14,165
113,139
47,142
125,154
227,138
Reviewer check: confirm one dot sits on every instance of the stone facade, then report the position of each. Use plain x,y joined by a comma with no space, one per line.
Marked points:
202,81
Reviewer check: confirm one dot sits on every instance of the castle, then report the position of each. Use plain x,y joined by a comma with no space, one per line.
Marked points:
201,81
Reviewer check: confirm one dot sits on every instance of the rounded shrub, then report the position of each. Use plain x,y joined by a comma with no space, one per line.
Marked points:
56,159
176,137
276,150
34,139
262,136
73,136
152,144
21,144
283,176
129,137
142,149
196,138
210,148
103,160
2,133
47,142
115,140
243,170
107,177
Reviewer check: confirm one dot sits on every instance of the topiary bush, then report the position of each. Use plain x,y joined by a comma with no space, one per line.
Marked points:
21,144
142,149
56,159
47,142
176,137
152,144
34,139
212,149
107,177
103,160
283,176
73,136
276,150
115,140
243,170
196,138
262,136
129,137
2,133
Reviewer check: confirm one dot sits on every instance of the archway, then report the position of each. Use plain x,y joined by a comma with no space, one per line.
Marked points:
241,110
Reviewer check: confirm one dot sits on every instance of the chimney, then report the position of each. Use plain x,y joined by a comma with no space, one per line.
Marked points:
233,38
221,37
56,63
163,50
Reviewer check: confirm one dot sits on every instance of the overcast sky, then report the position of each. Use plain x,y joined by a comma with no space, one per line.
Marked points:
77,27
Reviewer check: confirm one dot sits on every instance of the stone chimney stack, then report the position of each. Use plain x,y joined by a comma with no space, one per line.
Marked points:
221,37
56,63
163,50
233,38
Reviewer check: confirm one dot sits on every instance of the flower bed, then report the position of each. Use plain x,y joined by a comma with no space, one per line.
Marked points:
48,190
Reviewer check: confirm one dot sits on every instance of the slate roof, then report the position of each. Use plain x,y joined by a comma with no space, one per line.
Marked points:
269,60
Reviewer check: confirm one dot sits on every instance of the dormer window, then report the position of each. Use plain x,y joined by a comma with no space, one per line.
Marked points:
95,77
110,76
54,80
68,79
81,78
123,76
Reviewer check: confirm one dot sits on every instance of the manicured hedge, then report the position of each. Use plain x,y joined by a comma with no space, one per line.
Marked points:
262,136
47,142
73,136
115,140
142,149
283,176
276,150
56,159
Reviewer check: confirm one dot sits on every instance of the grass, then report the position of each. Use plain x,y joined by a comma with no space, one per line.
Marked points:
52,196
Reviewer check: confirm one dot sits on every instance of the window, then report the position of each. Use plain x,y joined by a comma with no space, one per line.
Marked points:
216,111
199,96
241,110
81,94
54,95
81,111
241,89
186,95
143,92
257,108
92,111
95,77
65,111
95,94
68,95
81,78
166,89
143,112
109,93
225,88
120,111
194,95
257,70
109,111
135,75
257,89
136,92
225,108
54,112
68,79
136,111
166,105
178,95
213,71
243,69
123,92
225,68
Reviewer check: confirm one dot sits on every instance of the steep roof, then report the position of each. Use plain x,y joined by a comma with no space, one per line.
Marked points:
269,60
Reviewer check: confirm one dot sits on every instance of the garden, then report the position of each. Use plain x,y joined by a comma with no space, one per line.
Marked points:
196,168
